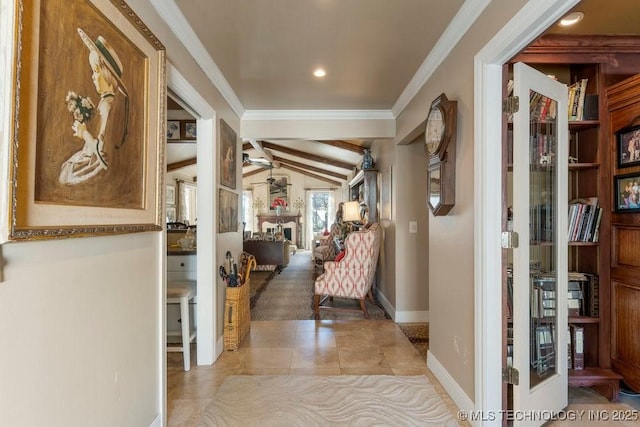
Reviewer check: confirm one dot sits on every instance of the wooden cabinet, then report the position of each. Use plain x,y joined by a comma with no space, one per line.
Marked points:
364,188
623,105
609,340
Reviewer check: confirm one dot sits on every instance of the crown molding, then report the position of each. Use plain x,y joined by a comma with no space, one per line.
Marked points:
457,28
176,21
318,115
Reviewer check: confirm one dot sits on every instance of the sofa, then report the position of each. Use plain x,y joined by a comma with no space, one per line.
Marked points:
270,255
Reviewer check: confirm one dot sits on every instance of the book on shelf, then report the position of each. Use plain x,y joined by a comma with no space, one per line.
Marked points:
569,349
584,219
577,92
543,354
577,346
575,298
585,288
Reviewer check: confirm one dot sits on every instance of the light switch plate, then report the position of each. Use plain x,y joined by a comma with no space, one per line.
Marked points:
413,226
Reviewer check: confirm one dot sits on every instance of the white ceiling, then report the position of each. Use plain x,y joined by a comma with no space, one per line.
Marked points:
261,53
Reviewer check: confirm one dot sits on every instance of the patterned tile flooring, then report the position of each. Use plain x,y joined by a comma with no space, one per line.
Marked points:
297,347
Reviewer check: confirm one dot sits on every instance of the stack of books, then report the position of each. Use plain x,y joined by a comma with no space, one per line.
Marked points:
584,220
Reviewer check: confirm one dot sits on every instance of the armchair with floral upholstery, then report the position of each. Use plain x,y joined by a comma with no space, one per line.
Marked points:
353,275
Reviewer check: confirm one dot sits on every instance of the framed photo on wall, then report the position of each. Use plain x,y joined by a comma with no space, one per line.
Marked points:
626,191
628,147
190,131
85,164
171,194
228,155
173,130
227,211
279,193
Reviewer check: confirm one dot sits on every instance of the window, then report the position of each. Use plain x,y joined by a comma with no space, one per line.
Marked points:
320,210
247,210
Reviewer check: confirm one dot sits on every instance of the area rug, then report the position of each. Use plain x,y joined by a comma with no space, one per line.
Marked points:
288,295
351,400
258,283
418,335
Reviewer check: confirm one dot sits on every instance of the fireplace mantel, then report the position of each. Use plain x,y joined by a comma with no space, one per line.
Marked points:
275,219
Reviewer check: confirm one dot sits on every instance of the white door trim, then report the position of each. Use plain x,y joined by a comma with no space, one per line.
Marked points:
535,17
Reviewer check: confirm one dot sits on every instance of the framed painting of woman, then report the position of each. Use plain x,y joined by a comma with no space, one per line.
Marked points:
89,100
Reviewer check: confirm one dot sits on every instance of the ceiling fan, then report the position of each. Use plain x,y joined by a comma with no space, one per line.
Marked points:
256,161
274,184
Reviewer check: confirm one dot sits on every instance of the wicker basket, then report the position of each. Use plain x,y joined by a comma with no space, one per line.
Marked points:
237,315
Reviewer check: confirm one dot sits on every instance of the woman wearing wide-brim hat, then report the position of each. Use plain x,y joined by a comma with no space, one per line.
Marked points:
107,79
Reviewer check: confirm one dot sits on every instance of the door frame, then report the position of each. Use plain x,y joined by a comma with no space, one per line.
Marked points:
208,348
533,19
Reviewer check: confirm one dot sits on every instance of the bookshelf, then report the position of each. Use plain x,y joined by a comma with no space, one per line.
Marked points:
593,63
363,188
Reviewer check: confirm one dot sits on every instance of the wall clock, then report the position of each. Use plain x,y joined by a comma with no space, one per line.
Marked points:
440,144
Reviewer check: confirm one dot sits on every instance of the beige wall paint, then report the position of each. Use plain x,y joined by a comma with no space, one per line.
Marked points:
79,318
384,155
79,326
412,249
451,263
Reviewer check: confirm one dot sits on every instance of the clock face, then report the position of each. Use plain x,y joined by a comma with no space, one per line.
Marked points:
434,131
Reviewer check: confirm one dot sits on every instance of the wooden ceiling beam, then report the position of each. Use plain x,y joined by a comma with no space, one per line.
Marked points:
342,144
181,164
253,172
308,156
309,167
312,175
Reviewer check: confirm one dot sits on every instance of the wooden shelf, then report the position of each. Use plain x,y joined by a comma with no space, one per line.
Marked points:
578,125
571,243
604,381
579,166
584,320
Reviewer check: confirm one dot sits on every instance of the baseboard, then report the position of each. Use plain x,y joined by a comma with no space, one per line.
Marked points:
459,397
412,316
156,422
387,305
402,316
219,348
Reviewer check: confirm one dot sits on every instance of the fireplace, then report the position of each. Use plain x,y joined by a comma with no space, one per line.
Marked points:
290,226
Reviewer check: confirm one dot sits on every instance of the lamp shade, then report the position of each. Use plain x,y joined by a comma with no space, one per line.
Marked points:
351,211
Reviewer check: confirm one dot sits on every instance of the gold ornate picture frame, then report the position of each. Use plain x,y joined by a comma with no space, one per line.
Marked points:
85,145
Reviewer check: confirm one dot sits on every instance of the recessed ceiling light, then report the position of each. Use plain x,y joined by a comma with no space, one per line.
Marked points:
319,72
571,19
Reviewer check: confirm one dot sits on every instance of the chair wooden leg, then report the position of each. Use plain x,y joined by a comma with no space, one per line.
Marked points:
316,306
363,306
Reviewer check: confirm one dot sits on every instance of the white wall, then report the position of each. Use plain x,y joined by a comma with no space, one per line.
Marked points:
79,329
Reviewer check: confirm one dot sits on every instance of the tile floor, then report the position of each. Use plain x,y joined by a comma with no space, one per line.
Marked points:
297,347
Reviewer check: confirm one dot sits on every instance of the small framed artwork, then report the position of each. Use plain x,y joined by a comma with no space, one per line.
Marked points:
628,147
190,130
279,193
86,150
228,211
171,194
228,149
626,190
173,129
171,213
